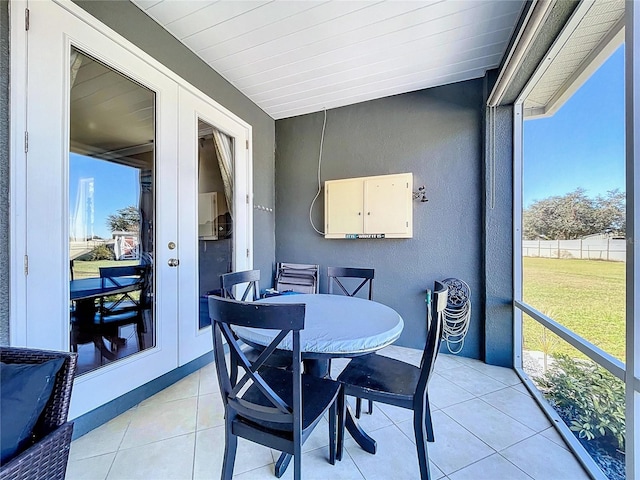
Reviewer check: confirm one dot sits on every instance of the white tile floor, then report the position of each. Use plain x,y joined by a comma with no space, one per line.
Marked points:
486,427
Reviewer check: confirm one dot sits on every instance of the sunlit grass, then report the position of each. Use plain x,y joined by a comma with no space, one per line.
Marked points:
88,269
586,296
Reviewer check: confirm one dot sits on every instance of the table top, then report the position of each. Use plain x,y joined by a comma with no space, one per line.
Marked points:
335,325
85,288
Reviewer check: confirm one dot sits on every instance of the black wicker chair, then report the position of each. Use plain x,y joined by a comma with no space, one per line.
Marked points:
46,457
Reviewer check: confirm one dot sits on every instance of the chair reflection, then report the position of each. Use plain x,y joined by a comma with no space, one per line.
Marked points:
120,299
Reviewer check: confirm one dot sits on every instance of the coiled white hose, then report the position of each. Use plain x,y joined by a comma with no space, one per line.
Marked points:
457,314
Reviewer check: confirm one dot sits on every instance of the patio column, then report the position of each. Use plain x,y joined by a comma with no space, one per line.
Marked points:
498,236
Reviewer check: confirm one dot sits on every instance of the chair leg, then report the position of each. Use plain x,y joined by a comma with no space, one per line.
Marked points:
282,464
297,462
421,445
230,446
428,424
332,433
358,407
370,407
341,423
140,332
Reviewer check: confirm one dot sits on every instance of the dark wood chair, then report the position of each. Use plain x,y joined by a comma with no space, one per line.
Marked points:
397,383
335,277
251,293
125,308
270,406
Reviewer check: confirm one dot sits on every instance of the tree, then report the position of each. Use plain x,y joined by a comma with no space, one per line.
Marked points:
611,212
574,215
126,220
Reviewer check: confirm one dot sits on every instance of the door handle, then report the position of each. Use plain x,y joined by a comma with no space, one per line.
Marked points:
173,262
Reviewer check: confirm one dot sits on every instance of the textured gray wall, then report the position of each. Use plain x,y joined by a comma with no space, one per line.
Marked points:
437,135
498,244
130,22
4,173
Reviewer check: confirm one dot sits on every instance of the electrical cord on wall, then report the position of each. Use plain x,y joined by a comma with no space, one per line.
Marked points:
324,125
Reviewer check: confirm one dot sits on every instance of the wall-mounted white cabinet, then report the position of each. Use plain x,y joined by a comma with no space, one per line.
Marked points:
207,215
369,207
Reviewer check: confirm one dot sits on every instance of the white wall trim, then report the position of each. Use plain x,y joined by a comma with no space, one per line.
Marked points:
18,174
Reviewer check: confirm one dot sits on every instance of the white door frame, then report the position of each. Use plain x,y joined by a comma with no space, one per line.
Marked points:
19,326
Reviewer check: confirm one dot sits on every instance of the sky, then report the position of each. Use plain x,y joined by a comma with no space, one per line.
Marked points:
115,187
582,145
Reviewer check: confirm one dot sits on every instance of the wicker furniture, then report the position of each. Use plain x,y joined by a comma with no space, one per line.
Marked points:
47,457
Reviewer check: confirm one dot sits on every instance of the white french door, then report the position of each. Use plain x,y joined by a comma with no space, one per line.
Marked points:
43,184
198,115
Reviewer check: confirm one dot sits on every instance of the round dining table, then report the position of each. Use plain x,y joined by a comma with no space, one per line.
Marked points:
335,326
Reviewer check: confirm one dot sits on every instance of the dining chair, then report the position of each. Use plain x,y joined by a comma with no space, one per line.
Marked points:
114,311
341,276
252,290
336,277
125,308
296,277
273,407
397,383
251,293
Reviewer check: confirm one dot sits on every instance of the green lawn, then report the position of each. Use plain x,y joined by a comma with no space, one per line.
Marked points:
87,269
586,296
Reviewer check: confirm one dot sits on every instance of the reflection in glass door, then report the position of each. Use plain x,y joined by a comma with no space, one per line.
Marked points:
111,214
215,212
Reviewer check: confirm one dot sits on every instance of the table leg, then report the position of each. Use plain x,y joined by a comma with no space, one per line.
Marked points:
322,368
367,443
84,325
319,368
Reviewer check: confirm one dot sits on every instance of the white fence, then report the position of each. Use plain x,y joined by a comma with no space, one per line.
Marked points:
612,249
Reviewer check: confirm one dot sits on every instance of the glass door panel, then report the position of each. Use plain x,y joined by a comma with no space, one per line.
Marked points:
215,224
111,214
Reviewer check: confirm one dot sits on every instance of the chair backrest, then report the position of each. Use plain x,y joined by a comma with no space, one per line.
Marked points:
113,277
297,277
251,277
435,308
287,319
334,275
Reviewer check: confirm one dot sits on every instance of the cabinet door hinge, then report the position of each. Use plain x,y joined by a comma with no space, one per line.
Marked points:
26,142
247,143
26,264
26,19
247,253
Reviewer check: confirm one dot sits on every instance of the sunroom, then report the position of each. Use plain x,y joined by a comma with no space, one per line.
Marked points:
219,123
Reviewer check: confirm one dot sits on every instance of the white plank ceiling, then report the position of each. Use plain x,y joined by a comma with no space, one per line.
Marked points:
297,57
